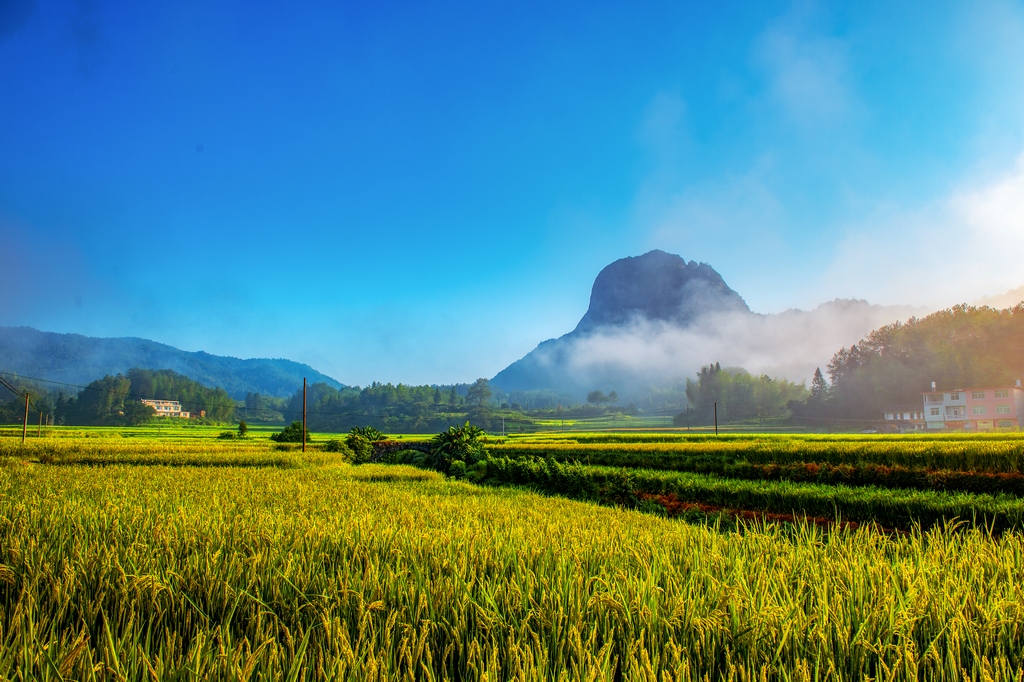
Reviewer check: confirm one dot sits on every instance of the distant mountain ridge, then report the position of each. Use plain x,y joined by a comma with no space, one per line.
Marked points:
655,319
77,359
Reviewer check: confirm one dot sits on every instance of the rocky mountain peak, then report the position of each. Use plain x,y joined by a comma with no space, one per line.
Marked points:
657,286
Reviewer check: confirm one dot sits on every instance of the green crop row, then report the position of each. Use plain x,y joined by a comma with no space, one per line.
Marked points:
391,573
987,455
728,466
697,437
891,508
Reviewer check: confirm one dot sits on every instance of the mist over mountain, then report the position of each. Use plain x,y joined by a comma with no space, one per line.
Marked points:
1005,300
654,319
77,359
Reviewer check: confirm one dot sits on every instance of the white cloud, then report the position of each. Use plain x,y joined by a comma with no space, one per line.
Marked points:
953,250
995,211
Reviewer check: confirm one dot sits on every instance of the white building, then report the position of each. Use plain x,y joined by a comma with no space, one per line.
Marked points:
167,408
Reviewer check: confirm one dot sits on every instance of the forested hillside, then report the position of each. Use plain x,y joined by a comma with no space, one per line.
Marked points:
960,347
117,399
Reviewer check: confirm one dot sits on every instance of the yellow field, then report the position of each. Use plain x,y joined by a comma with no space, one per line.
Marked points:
314,569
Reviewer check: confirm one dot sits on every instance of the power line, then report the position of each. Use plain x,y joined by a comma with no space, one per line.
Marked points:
10,387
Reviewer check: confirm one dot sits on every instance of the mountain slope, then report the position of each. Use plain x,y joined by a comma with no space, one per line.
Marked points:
77,359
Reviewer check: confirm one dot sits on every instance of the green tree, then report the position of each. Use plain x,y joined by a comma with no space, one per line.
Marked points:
479,393
819,387
243,429
136,412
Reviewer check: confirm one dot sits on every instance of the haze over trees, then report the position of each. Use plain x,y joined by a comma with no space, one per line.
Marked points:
960,347
739,396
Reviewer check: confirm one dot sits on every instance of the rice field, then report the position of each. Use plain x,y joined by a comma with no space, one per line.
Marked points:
238,561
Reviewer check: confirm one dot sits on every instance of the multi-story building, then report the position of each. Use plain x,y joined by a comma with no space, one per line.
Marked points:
981,409
904,418
167,408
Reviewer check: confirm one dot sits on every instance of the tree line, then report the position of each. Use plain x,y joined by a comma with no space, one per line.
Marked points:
738,395
960,347
116,400
398,408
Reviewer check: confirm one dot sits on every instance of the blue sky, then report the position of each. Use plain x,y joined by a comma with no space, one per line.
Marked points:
423,192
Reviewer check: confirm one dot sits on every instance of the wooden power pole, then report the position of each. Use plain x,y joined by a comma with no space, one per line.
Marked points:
716,418
303,414
24,423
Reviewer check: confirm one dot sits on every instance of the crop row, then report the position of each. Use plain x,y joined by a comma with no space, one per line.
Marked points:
209,453
728,466
702,436
993,456
890,508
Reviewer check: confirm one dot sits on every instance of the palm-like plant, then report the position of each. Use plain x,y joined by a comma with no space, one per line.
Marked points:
458,443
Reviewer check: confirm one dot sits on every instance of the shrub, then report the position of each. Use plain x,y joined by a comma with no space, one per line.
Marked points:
340,447
291,434
457,469
360,446
227,435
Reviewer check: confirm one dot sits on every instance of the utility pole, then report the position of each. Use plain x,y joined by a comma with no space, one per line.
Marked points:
303,414
716,418
39,430
24,422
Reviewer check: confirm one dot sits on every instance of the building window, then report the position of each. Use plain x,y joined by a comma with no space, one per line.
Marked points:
977,395
956,412
978,409
1002,409
934,411
1003,393
954,396
1005,424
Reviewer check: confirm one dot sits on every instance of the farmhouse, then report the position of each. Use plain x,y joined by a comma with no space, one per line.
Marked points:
979,409
167,408
904,418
